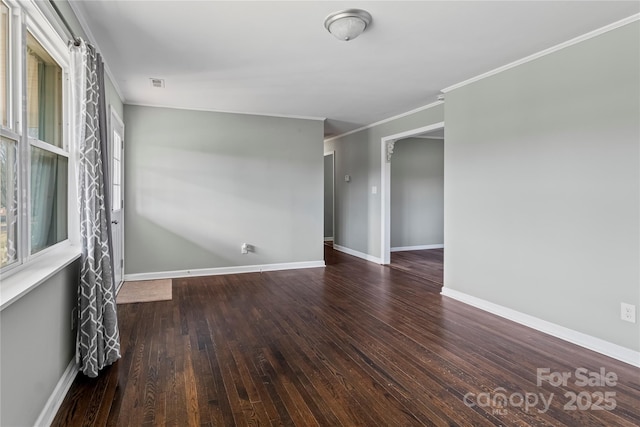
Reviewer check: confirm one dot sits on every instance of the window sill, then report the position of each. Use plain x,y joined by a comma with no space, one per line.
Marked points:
35,273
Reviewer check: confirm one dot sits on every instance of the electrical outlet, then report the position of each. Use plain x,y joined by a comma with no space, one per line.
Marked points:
628,312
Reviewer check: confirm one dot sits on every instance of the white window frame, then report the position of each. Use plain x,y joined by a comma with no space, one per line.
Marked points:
30,270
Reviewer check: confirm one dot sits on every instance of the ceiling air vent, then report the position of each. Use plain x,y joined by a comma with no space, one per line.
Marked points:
157,82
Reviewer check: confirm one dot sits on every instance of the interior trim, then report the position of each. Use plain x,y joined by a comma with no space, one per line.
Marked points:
589,342
58,394
31,274
399,116
211,110
416,248
357,254
216,271
85,27
546,52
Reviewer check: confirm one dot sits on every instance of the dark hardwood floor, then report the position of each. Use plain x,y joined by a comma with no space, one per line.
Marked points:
424,263
353,344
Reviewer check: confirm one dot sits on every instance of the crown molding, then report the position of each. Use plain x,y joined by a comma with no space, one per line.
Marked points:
85,27
210,110
441,138
399,116
546,52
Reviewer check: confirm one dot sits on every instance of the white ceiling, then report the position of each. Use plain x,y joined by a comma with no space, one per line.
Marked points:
276,58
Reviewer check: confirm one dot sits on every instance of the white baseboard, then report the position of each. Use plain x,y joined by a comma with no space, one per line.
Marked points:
223,270
357,254
598,345
57,396
328,239
416,248
119,285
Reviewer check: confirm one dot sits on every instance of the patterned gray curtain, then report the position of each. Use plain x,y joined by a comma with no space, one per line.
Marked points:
98,340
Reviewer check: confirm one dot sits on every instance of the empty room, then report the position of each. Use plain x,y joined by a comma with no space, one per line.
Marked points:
329,213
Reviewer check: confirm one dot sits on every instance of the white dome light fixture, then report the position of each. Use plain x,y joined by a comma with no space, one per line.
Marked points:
347,24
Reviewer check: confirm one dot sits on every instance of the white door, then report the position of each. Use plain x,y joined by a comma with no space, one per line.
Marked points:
117,195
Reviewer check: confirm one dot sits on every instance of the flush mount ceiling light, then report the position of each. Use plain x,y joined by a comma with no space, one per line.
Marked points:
347,24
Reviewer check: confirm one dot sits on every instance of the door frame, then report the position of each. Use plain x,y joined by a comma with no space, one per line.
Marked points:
333,192
114,121
386,146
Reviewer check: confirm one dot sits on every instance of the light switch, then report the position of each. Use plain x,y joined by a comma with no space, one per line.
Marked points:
374,190
347,178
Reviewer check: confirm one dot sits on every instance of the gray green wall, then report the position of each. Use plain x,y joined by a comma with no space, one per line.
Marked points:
328,195
36,341
36,346
417,192
542,187
199,184
357,210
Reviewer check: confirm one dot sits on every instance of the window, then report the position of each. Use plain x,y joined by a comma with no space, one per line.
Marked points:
48,183
8,202
116,172
8,155
4,65
44,94
34,156
48,199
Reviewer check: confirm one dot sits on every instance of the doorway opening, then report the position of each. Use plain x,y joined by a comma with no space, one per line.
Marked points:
329,197
387,153
417,205
116,174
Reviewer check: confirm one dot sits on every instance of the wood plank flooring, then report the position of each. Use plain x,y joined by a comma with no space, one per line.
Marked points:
424,263
354,344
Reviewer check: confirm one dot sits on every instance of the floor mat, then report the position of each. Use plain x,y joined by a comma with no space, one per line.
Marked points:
144,291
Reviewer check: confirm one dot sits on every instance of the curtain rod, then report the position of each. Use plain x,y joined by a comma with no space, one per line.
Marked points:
76,40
